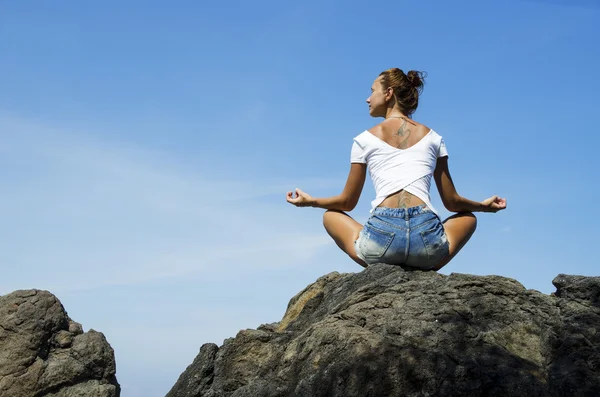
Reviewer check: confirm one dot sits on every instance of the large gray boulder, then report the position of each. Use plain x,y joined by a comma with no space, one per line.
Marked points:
43,353
389,332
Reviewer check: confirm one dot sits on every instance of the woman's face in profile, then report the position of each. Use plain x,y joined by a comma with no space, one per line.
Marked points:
377,100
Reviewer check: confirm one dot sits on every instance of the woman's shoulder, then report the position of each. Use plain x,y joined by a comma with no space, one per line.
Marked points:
436,137
362,136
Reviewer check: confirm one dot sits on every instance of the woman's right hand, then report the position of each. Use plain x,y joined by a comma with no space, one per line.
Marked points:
494,204
301,199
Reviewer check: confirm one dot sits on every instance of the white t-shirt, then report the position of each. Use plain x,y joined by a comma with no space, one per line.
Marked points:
393,169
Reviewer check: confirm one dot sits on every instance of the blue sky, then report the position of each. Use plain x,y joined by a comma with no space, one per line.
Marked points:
145,151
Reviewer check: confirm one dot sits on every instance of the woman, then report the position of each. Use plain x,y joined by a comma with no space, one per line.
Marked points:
402,155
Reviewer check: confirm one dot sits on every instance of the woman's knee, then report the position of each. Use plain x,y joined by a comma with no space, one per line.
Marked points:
473,219
331,214
470,221
467,218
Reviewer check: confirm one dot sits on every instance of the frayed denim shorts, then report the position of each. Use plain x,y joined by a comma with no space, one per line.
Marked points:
412,237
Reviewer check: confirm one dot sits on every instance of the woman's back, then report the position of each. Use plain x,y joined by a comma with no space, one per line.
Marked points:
401,133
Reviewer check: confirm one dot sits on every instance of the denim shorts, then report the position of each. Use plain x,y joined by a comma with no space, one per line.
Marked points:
412,237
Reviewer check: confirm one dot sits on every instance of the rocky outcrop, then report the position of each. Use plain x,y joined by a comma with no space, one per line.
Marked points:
389,332
43,353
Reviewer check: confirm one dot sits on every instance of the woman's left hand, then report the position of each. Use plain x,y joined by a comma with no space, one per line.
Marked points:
301,200
494,204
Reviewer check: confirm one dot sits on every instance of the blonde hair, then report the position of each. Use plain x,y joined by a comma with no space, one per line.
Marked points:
407,87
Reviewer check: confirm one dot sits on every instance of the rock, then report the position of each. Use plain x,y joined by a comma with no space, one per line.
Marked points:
43,353
389,332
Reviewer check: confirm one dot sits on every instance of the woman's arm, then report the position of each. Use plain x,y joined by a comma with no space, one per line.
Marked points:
346,201
455,202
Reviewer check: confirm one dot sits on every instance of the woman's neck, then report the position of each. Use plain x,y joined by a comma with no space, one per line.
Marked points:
394,113
399,115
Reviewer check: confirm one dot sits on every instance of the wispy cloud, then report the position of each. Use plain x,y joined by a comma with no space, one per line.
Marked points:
80,213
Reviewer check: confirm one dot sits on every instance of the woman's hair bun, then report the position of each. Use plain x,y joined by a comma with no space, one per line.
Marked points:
416,79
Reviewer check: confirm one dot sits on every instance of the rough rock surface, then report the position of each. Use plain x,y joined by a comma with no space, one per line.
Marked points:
43,353
389,332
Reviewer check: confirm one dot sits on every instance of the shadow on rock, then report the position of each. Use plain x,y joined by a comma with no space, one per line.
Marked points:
389,332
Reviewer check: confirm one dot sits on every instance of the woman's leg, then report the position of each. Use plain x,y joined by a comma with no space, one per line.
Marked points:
459,228
344,230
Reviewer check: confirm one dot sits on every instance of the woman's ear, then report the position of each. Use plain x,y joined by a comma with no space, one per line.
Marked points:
389,94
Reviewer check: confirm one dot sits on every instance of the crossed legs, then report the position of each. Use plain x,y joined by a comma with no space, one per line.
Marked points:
459,228
344,230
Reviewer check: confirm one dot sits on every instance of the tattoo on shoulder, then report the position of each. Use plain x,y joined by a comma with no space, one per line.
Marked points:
404,133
